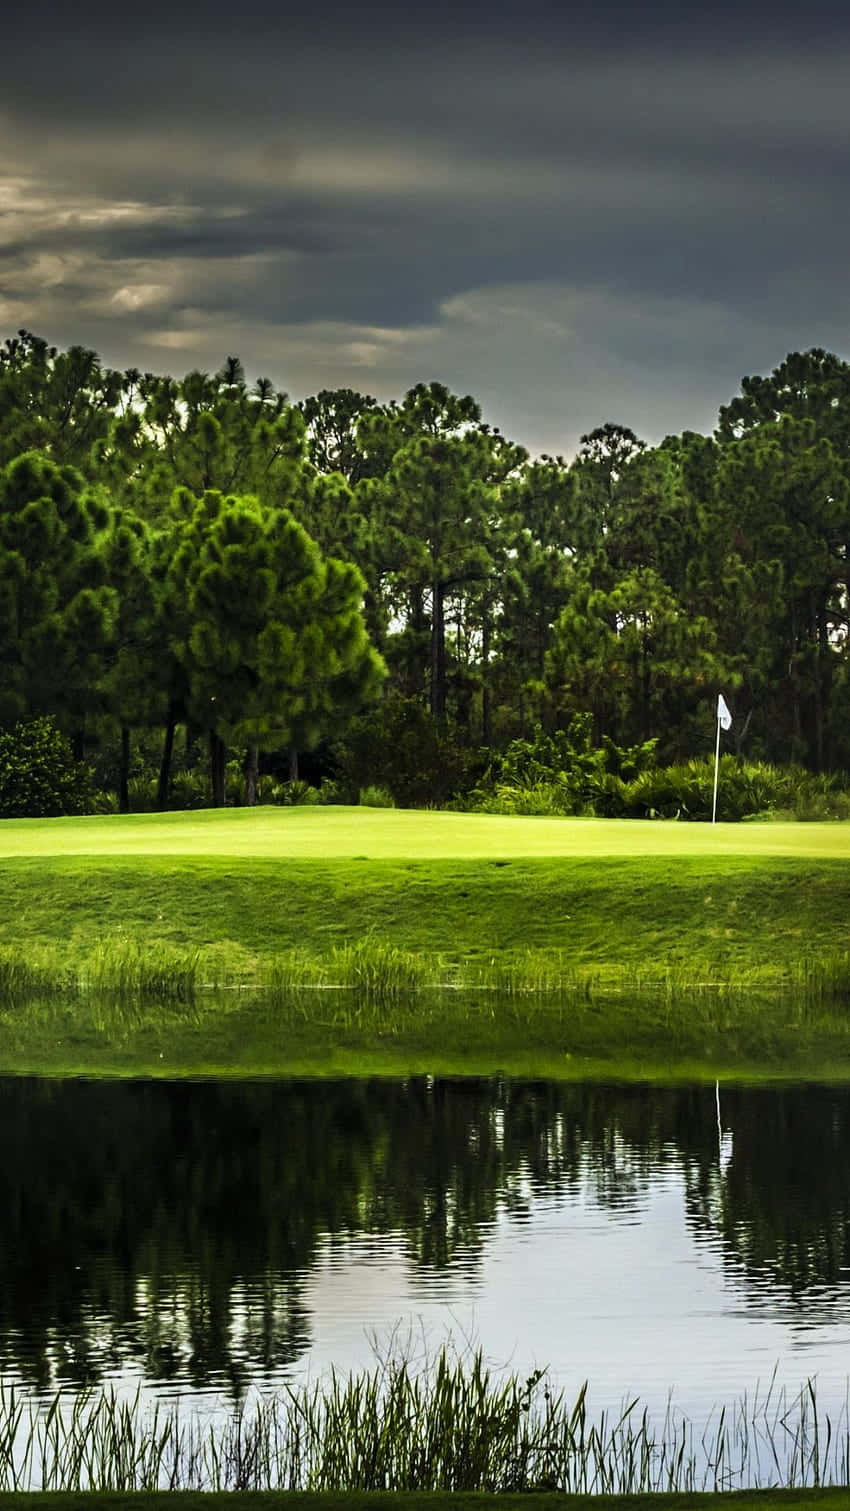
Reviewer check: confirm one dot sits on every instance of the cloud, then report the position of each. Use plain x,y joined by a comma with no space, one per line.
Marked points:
576,216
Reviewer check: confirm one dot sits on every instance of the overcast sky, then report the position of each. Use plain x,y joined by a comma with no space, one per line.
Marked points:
576,213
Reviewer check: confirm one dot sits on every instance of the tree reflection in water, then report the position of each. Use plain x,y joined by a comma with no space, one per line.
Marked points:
176,1225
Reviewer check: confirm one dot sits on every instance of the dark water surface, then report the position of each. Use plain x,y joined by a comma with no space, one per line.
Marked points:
204,1238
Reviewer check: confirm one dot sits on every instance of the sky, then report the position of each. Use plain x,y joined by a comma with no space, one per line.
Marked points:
576,212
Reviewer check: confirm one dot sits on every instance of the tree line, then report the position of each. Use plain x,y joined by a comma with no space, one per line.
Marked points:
203,553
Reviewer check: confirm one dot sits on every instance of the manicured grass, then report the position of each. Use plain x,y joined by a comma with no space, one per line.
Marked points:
627,917
337,833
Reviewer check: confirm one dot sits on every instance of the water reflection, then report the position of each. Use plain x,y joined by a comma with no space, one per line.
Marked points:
212,1232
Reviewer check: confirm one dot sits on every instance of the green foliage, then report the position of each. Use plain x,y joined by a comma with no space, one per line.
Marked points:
818,798
57,612
198,549
269,633
292,794
686,791
38,775
58,403
375,797
561,772
555,775
402,748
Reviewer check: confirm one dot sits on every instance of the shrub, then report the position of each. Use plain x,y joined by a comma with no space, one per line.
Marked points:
39,777
401,747
822,797
686,791
189,789
376,797
561,772
295,794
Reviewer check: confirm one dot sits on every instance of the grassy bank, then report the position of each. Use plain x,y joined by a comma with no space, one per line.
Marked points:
410,937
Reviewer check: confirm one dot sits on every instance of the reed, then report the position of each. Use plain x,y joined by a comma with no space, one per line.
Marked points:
31,974
824,979
451,1426
532,973
375,968
126,969
378,970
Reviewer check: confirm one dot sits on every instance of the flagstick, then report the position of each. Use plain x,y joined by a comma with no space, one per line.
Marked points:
716,768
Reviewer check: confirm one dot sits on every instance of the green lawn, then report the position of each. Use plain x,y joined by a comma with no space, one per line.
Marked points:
306,833
762,1500
614,907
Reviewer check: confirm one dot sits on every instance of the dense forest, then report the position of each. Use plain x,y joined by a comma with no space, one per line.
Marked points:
198,572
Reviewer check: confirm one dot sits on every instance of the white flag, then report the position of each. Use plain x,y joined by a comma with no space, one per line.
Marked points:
723,713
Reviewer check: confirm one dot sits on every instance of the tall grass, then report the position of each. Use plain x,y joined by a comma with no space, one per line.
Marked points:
378,970
450,1427
126,969
825,979
31,974
373,986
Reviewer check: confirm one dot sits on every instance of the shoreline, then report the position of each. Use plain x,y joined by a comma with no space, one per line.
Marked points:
654,957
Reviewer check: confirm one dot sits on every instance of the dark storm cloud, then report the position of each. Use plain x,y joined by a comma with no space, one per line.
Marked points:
571,211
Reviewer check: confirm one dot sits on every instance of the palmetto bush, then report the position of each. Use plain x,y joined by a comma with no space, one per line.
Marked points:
686,791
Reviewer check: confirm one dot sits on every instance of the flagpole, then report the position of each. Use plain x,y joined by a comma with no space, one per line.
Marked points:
716,769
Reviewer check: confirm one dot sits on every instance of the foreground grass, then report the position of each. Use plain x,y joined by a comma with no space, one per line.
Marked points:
826,1498
450,1427
468,940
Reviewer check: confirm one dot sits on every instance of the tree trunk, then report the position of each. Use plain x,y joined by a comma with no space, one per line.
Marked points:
293,763
797,745
417,622
486,700
438,652
218,764
124,772
252,762
164,784
825,694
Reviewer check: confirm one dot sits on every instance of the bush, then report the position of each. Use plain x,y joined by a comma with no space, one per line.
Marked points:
39,777
295,794
686,791
399,746
561,772
376,797
189,789
822,797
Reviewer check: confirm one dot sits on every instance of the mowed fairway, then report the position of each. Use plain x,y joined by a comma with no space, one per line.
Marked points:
328,834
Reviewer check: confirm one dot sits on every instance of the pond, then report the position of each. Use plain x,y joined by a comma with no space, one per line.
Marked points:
203,1239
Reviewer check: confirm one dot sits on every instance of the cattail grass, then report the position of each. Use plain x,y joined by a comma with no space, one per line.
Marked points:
451,1426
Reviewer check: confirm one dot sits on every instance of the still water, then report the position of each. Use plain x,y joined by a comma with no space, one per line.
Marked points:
204,1239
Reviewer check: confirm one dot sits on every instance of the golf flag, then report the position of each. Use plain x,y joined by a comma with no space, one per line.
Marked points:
724,721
